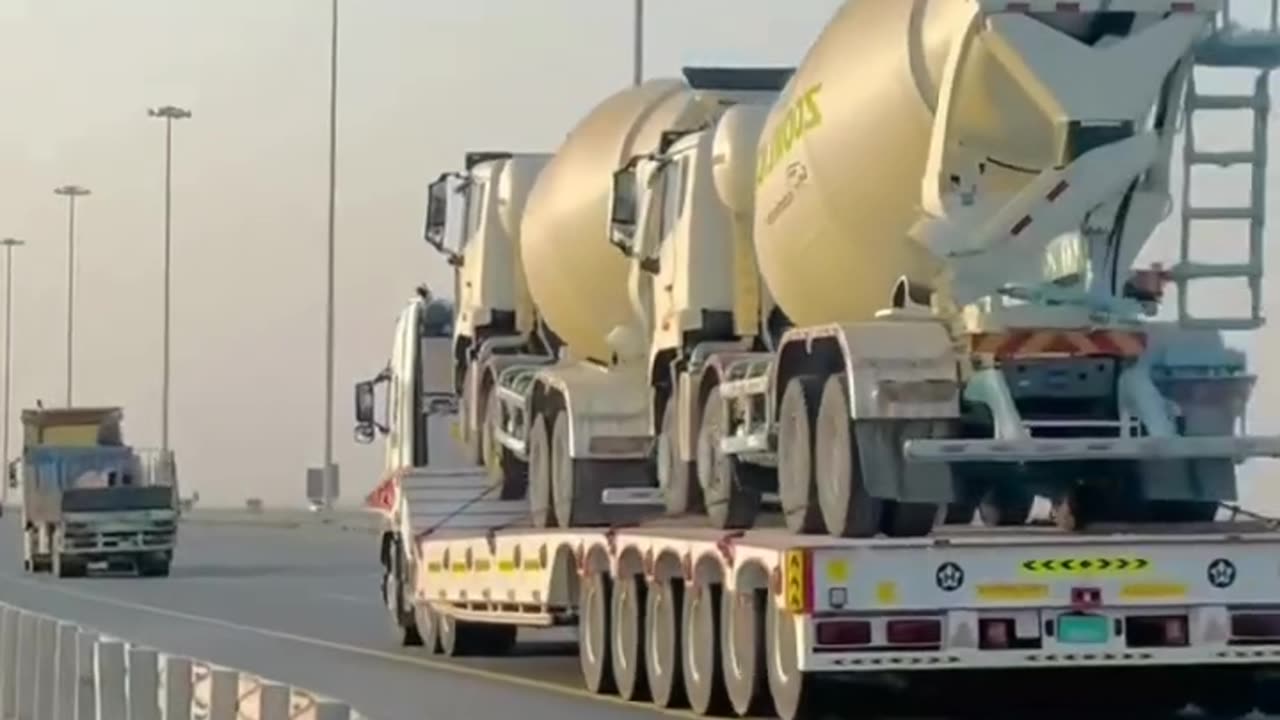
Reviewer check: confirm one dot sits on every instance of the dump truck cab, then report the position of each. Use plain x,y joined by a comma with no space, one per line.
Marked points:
87,498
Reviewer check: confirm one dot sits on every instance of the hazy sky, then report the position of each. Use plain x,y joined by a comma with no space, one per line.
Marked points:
420,83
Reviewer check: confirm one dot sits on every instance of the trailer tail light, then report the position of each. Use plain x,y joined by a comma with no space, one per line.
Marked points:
843,633
1255,628
995,633
1145,631
914,632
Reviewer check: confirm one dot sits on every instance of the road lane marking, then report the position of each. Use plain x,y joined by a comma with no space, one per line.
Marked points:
442,666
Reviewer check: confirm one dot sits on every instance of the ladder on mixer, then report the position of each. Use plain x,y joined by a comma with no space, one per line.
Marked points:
1230,46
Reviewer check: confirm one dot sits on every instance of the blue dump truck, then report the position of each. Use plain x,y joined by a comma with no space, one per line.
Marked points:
90,500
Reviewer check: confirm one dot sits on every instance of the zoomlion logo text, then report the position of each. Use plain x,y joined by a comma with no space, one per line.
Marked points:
804,116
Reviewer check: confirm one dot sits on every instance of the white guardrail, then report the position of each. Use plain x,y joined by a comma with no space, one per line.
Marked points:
56,670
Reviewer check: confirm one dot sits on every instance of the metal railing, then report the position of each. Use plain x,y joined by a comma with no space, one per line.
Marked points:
51,669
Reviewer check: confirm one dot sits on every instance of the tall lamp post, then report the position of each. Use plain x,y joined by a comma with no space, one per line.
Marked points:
327,469
637,71
168,113
71,192
9,244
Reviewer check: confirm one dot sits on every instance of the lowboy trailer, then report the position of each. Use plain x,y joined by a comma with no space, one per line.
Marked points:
764,621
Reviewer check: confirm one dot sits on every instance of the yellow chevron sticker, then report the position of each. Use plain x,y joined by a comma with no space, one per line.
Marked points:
1087,566
793,580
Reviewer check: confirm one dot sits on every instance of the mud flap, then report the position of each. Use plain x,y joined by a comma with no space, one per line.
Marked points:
886,475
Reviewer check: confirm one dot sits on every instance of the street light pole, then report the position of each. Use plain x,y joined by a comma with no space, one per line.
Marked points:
327,470
9,244
638,66
169,113
71,192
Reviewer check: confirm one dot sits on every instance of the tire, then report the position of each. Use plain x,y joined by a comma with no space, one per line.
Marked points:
797,486
847,508
541,510
791,690
457,639
678,479
742,652
153,566
505,469
730,488
1005,507
403,627
703,669
662,624
427,621
594,632
564,490
627,638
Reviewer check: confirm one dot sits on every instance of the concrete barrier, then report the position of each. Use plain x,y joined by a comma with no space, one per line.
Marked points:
52,670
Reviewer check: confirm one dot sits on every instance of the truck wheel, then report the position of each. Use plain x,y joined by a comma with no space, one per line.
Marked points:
731,489
428,624
594,653
797,487
403,627
792,691
1005,507
505,469
541,510
68,567
627,638
153,566
703,673
677,479
663,632
847,507
742,651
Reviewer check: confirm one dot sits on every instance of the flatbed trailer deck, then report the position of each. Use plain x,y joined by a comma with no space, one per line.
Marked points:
684,615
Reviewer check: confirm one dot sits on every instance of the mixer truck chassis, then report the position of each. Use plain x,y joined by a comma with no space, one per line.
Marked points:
773,623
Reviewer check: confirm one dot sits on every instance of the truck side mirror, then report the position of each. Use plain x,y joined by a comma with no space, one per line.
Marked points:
622,210
364,402
437,212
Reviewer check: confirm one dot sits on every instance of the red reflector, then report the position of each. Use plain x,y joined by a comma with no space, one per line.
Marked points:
1022,225
1068,7
844,632
1255,626
914,632
1146,631
1182,7
995,633
1083,597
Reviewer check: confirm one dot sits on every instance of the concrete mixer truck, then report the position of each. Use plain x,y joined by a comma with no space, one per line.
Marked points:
958,322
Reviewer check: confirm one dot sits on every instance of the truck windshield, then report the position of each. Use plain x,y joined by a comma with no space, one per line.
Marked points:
79,468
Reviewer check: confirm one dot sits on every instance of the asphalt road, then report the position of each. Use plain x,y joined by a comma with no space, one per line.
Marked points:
302,606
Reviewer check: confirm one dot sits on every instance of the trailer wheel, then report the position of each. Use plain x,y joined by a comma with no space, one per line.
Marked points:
543,513
627,638
742,651
703,667
678,479
797,487
792,691
459,638
594,631
428,623
662,634
847,507
731,489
